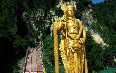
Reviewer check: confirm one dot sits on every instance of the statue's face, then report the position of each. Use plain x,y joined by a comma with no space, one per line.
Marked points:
69,13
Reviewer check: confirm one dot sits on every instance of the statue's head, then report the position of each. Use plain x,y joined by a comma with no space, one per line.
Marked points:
67,9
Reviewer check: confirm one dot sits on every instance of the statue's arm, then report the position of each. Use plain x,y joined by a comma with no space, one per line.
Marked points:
83,38
80,28
59,24
70,36
84,34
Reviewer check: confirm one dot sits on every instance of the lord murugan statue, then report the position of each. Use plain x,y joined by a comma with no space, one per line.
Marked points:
72,42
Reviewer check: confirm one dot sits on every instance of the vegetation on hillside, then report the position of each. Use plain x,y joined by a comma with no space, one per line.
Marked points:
23,21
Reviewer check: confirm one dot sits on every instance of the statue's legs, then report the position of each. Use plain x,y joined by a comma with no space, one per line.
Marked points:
63,55
69,58
77,62
74,62
84,68
80,62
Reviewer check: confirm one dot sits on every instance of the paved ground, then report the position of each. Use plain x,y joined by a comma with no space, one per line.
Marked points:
34,61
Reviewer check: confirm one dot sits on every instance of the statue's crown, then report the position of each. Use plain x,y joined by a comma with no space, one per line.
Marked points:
67,6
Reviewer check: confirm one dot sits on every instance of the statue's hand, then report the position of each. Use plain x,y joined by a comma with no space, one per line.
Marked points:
62,21
63,18
82,40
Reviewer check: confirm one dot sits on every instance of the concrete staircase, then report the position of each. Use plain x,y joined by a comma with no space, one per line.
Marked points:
34,61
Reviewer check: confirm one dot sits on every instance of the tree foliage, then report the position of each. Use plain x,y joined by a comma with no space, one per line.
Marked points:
16,30
103,56
48,51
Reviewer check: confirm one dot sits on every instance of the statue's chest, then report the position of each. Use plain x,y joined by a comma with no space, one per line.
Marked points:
72,26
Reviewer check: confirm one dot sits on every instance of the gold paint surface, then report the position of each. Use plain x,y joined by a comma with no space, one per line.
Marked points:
72,43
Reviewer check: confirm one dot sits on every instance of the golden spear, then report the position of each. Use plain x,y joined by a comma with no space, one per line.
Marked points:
56,49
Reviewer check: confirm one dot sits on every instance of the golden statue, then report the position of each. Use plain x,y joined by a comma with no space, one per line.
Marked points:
72,45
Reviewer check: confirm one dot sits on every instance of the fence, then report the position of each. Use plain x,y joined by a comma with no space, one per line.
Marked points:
108,70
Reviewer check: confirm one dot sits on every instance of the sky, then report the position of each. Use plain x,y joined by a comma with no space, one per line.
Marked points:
97,1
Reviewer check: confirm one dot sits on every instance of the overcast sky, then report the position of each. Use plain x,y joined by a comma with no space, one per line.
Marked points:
97,1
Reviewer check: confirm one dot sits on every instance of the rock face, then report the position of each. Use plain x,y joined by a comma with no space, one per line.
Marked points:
34,61
87,18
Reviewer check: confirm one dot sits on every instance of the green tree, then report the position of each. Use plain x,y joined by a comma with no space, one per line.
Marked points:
16,30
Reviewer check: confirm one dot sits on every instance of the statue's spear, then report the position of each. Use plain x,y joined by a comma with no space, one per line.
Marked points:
56,49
